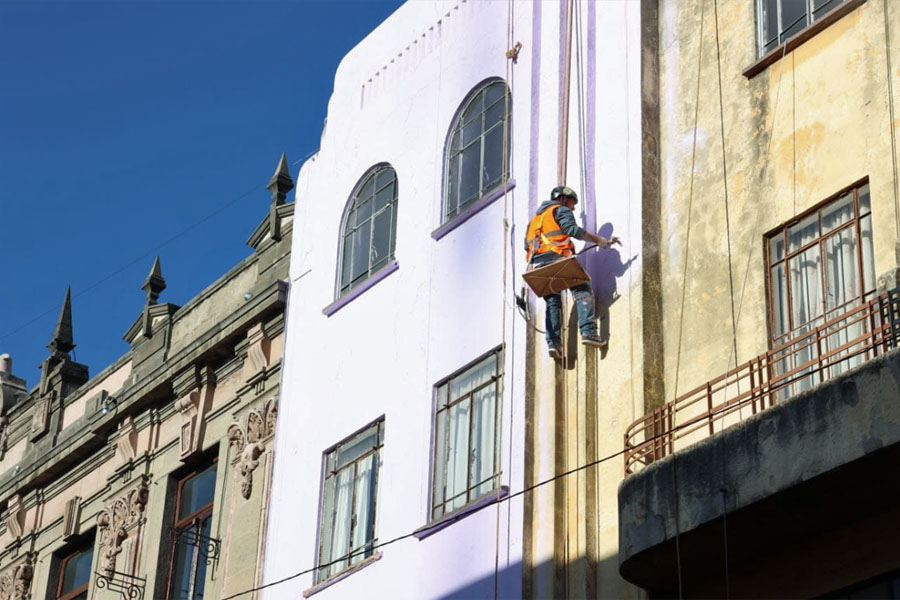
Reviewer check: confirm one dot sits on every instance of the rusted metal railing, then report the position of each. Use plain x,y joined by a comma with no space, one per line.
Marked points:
843,341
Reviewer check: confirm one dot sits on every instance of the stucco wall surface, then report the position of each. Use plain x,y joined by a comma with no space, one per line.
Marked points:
380,355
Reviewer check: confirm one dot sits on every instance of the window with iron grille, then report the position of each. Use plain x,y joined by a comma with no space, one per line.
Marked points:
820,266
780,20
467,435
477,148
349,493
193,522
370,228
74,573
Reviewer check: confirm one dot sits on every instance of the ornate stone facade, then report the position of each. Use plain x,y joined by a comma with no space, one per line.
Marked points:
115,522
247,441
15,582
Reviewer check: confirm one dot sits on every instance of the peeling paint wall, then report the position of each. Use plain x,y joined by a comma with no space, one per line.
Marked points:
812,123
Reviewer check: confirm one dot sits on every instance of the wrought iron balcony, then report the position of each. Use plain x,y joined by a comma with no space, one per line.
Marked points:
823,352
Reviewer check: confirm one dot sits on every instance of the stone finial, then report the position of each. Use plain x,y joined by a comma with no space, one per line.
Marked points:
155,283
62,342
5,366
281,183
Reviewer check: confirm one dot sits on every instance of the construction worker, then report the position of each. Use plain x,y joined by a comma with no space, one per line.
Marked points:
548,239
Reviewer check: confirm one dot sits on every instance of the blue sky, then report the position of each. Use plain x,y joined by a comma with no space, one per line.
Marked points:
130,129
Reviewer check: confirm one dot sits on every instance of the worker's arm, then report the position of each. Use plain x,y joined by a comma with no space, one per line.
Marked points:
567,223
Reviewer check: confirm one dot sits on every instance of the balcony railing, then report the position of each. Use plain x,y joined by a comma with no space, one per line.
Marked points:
823,352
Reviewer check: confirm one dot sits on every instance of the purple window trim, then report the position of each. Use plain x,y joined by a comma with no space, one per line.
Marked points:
361,288
472,507
473,210
342,575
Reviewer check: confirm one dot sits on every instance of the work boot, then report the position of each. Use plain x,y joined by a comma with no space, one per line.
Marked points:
555,351
592,339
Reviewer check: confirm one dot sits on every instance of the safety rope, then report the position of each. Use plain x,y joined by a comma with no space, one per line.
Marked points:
891,124
687,249
511,55
730,274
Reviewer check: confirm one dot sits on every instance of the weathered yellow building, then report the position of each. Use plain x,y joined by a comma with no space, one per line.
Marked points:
778,212
150,479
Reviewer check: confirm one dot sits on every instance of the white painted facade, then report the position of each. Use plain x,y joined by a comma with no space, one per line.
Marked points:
451,299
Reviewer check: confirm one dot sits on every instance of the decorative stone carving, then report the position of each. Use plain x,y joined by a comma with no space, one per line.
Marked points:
116,521
15,582
247,441
126,444
40,417
258,348
72,517
4,434
194,388
15,521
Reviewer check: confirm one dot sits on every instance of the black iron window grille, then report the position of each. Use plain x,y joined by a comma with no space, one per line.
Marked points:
129,586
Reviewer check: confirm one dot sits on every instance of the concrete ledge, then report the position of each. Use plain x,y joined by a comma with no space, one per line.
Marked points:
817,450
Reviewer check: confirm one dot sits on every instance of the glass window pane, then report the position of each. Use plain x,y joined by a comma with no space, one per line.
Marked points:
471,132
343,513
364,508
383,177
769,21
471,176
494,92
868,261
440,460
364,211
492,173
776,248
837,213
473,111
360,254
864,200
803,232
806,286
181,580
452,186
841,269
381,234
458,456
384,196
197,492
821,7
793,17
478,374
483,442
367,189
779,297
352,449
200,577
345,262
494,114
77,571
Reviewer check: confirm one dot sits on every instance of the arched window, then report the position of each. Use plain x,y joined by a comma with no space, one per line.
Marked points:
475,148
370,227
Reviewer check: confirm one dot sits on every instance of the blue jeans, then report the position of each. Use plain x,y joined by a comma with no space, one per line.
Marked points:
584,305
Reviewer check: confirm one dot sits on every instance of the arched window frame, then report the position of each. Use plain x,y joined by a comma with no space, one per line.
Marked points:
473,203
374,271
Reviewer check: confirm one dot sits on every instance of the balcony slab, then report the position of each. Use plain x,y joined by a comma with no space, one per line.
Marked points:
797,500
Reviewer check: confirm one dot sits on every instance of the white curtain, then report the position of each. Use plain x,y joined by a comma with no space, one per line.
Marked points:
484,430
806,295
457,457
363,509
340,533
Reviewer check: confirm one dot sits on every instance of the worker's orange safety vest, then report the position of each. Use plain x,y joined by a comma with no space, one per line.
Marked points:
545,235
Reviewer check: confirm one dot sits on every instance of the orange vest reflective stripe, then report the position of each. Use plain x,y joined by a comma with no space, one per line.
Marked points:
545,235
